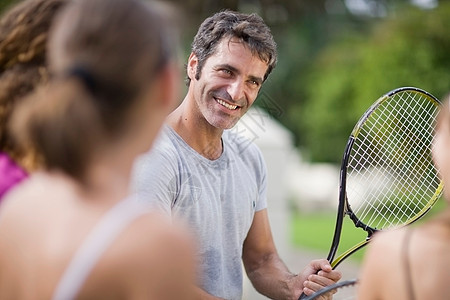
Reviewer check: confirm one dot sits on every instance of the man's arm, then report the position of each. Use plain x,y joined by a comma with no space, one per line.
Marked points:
268,273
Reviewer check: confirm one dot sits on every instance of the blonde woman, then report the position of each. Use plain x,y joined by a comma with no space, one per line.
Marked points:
71,231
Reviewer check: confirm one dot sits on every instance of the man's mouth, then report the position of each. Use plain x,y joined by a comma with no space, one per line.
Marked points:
225,104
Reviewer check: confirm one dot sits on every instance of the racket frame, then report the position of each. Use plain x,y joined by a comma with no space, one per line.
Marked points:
344,207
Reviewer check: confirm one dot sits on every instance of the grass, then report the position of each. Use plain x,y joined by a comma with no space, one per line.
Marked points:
314,231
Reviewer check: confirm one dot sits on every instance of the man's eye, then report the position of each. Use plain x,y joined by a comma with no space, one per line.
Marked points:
226,71
254,83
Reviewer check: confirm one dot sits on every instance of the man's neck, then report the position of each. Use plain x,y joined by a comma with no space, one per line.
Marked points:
196,132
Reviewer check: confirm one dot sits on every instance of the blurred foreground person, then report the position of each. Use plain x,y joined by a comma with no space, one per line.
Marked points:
414,262
71,232
24,30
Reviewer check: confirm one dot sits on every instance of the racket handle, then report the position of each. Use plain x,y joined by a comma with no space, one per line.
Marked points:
330,258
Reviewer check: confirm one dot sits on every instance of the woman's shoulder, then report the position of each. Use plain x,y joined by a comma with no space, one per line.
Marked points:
22,195
151,240
385,246
389,248
385,238
148,257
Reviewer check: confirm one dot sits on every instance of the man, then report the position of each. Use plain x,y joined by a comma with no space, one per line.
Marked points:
211,178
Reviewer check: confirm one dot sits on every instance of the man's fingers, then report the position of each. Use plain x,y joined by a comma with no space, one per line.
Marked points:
311,287
333,275
321,264
320,281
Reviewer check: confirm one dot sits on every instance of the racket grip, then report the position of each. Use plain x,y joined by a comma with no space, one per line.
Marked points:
303,295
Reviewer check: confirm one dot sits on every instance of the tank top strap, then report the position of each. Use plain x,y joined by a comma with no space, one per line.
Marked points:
94,245
406,264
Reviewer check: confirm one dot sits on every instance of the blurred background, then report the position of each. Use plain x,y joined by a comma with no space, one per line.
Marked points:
336,57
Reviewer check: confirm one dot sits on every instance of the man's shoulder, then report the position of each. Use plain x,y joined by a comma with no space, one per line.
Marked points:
162,157
164,146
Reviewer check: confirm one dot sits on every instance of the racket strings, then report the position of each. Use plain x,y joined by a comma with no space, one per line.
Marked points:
394,187
391,168
391,159
385,154
383,137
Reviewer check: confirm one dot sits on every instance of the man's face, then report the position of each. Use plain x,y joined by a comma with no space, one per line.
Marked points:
229,83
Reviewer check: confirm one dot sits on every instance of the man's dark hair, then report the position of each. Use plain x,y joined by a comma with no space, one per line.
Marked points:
250,29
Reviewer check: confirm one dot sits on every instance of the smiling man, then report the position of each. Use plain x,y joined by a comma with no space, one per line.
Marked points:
213,179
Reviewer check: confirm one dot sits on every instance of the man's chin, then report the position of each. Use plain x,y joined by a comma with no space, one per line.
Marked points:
228,125
224,125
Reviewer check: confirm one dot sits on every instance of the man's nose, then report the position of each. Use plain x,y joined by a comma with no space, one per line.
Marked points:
236,90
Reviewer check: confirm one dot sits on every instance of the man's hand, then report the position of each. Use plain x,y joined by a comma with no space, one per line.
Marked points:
309,282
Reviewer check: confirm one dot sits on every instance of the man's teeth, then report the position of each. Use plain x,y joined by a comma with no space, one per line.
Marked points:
229,106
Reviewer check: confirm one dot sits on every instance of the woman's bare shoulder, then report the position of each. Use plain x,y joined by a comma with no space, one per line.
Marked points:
24,198
156,231
152,256
150,239
389,240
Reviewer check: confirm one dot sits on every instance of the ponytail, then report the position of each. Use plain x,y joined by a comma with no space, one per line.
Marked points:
60,121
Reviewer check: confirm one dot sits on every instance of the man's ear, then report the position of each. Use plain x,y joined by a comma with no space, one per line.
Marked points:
192,66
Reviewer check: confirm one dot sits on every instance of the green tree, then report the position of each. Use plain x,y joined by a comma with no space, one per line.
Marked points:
411,49
4,4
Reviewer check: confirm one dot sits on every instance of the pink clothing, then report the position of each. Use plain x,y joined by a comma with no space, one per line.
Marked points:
10,174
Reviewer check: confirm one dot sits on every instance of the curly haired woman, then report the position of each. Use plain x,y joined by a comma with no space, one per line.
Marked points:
23,36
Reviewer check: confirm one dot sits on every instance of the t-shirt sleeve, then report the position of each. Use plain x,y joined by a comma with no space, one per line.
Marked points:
153,180
262,188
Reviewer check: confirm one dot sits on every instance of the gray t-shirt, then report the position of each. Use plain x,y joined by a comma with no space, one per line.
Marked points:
217,198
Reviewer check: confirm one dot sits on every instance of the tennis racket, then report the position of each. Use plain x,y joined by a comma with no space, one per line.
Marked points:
343,290
387,176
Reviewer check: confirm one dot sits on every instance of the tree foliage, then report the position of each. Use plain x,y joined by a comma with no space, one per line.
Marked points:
411,49
5,4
